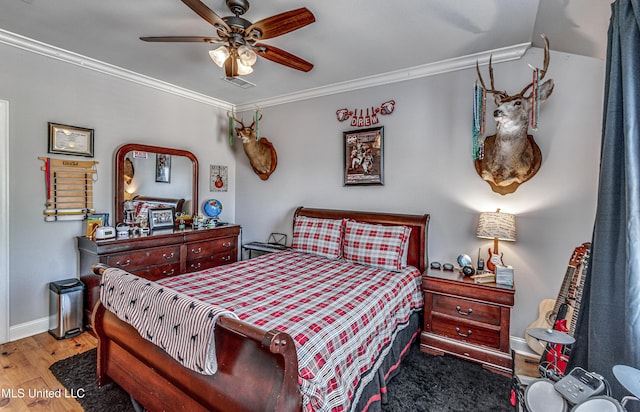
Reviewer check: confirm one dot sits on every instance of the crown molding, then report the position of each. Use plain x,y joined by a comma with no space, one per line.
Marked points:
53,52
504,54
445,66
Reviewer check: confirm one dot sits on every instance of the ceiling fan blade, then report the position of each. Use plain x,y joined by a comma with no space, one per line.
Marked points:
285,58
206,13
182,39
282,23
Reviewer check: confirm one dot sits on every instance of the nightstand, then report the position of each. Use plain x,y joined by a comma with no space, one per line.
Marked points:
467,319
263,247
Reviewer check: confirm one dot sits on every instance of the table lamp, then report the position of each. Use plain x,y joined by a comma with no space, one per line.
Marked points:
497,226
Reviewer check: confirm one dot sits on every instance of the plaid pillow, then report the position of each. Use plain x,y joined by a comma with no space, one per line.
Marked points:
383,247
321,237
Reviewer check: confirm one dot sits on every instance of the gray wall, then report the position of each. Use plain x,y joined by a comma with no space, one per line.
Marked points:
428,169
41,90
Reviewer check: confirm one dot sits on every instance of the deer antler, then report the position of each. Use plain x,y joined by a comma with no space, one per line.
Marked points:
254,119
545,65
492,90
503,94
235,119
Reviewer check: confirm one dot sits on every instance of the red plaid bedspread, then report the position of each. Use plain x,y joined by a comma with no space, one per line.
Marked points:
342,316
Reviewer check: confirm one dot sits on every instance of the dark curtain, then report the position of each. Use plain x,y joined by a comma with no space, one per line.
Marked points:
608,330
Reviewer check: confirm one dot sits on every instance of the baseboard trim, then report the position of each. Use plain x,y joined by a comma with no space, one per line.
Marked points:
24,330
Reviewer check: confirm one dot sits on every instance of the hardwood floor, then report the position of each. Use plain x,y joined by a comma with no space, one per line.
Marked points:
26,384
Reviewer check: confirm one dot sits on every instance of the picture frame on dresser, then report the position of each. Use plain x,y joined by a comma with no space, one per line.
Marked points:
363,156
161,218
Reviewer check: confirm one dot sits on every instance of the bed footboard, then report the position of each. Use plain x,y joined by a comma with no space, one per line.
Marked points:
257,369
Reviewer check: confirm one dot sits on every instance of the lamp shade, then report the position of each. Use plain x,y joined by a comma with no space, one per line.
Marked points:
497,225
219,55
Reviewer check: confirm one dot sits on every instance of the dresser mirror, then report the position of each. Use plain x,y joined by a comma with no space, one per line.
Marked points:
155,172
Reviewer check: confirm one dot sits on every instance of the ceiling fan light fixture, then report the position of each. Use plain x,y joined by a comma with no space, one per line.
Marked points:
243,68
219,55
247,56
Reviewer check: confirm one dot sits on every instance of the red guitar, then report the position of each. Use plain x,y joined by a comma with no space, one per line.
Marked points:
568,306
494,260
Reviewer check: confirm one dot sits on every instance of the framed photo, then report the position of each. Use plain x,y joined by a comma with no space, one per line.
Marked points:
71,140
163,168
218,178
104,218
363,156
161,218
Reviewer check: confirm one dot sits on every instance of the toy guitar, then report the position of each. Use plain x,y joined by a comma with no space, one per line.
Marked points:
495,259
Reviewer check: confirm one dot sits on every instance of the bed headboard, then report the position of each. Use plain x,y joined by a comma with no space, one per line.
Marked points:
419,224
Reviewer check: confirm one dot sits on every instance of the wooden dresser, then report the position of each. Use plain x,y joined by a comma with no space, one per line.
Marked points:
163,254
467,319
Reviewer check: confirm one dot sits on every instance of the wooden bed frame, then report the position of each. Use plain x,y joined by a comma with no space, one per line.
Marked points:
257,369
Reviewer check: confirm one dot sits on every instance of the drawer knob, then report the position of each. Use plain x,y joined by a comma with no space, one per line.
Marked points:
227,244
196,251
226,258
125,264
196,266
167,257
169,273
467,313
464,335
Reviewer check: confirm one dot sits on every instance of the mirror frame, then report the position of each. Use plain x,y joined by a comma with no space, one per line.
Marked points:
119,172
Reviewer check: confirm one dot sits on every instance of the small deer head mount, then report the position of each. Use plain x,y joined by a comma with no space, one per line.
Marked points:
261,153
511,156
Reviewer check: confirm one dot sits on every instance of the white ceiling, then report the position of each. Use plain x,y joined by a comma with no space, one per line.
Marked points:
350,42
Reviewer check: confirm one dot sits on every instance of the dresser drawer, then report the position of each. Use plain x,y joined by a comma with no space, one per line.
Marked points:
143,258
466,309
218,259
157,272
468,332
199,250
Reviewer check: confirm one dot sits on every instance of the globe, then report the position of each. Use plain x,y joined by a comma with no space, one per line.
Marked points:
212,208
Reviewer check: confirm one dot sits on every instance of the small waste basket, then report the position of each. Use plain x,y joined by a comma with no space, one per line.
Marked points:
65,308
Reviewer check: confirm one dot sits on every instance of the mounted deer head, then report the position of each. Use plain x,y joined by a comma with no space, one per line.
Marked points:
261,153
511,156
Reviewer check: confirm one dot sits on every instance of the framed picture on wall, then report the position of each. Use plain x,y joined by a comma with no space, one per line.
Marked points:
363,156
70,140
218,178
163,168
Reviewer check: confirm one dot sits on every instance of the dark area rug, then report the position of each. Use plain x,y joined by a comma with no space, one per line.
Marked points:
78,373
424,383
428,383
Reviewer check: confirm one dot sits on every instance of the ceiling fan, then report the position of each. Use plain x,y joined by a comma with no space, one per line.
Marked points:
240,38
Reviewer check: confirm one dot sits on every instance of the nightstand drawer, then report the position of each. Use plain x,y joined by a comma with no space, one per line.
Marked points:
466,309
465,331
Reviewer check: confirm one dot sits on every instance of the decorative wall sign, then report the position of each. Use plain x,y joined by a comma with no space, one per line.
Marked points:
218,178
365,117
363,151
